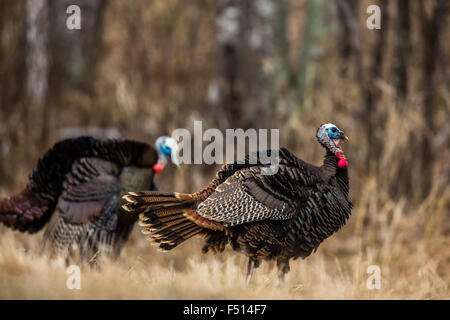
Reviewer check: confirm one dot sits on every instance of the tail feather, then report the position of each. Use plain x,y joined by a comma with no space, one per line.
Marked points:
163,222
25,211
170,226
169,235
163,216
180,235
139,202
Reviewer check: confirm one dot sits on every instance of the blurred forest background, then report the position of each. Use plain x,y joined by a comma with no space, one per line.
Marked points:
141,69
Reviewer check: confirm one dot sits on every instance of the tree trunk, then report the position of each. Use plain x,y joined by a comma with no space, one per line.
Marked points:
13,72
37,63
432,33
403,47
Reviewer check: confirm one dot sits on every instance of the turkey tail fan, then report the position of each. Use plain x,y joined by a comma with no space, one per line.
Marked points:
164,216
25,211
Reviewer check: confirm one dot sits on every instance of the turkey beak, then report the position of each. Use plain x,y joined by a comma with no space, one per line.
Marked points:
343,136
173,145
176,160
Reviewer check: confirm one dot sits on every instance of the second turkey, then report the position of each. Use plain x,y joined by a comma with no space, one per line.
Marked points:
75,191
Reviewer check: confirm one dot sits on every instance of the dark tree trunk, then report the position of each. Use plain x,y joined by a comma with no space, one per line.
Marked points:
75,53
403,47
12,68
348,34
37,62
432,38
245,37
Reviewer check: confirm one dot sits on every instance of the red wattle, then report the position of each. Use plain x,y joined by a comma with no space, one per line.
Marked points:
158,167
342,163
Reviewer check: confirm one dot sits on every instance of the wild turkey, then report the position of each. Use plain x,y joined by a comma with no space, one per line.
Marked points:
281,216
76,188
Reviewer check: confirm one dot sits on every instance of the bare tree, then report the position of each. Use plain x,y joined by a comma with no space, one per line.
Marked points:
403,47
433,29
13,74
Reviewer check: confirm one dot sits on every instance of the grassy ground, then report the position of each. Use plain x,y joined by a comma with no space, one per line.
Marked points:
409,246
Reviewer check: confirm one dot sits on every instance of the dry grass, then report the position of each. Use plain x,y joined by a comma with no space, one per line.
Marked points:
411,248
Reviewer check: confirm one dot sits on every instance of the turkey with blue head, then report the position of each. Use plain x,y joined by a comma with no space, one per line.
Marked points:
280,216
76,188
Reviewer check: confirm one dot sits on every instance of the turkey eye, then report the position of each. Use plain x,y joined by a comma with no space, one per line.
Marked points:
166,150
334,130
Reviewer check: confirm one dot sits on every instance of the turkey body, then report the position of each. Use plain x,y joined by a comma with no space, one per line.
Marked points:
267,216
75,190
294,211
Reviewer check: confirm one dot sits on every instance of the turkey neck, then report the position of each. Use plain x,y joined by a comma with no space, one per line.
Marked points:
330,170
329,167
